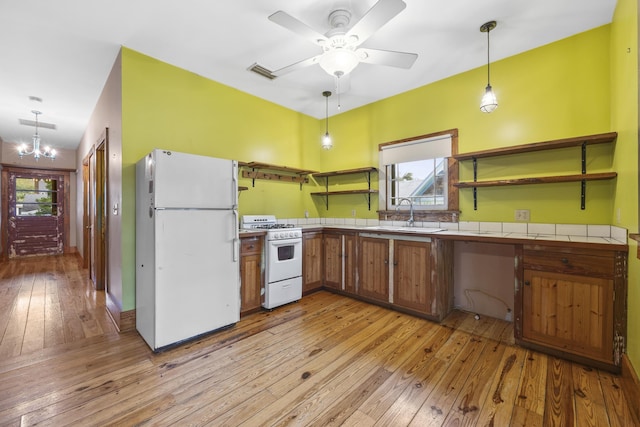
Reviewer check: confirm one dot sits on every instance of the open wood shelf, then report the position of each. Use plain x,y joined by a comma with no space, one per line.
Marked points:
329,193
538,180
290,174
602,138
326,175
580,141
344,172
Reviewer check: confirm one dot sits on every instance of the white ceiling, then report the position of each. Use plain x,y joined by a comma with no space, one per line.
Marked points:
62,51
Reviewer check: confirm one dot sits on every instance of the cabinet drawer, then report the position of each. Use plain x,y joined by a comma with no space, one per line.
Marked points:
585,264
250,245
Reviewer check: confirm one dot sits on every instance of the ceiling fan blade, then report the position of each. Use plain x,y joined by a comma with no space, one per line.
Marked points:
379,14
387,57
300,28
296,66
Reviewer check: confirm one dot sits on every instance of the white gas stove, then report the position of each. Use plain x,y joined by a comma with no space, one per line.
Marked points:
283,255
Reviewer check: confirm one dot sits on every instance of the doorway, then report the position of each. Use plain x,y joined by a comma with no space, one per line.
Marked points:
34,218
95,217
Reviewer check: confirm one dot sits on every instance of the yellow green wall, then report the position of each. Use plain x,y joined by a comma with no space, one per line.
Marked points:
556,91
169,108
624,119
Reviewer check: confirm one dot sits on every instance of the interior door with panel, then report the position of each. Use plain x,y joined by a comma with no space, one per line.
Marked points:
36,219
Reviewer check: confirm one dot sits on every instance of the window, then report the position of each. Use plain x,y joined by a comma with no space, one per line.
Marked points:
36,197
418,172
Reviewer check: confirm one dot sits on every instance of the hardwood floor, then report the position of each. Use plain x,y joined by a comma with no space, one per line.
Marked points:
326,360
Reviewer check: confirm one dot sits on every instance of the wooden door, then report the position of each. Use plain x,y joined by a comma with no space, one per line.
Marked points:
412,275
350,263
36,205
568,312
333,260
311,261
373,271
95,216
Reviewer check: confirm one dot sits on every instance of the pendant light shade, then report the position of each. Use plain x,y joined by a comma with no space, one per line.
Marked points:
327,143
489,101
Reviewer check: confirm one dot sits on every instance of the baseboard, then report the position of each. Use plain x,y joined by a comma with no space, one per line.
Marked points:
631,387
123,320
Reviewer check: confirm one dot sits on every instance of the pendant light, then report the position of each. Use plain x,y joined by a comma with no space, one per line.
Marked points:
327,144
489,101
48,152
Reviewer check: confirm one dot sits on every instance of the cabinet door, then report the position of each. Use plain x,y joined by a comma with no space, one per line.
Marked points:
350,264
373,271
412,275
568,312
311,261
250,274
333,260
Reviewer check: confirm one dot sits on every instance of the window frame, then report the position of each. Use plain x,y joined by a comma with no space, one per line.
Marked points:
450,213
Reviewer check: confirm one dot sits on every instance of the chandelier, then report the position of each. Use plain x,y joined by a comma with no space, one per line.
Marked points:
48,152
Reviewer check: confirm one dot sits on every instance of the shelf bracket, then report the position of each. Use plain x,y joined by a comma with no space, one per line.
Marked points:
368,178
475,179
583,183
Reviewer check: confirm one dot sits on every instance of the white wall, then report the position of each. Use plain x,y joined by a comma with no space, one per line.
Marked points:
107,114
484,276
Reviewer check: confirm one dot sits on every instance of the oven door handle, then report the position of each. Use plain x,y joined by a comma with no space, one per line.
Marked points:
286,242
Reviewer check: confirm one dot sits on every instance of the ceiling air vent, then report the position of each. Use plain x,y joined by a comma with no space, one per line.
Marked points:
259,69
42,125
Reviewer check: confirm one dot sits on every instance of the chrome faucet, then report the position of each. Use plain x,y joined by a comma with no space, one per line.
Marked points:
410,220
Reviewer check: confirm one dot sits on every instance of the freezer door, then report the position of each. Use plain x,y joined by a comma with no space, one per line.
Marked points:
181,180
197,273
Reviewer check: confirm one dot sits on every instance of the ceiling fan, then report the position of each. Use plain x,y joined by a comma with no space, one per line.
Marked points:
341,51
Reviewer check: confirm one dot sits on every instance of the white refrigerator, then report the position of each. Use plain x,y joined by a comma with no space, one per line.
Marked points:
187,246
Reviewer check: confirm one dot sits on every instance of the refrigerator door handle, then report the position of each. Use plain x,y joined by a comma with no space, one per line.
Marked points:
236,239
234,183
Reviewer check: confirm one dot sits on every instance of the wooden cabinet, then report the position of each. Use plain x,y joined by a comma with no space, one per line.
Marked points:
349,259
423,276
251,277
340,261
373,268
412,275
332,260
574,302
312,260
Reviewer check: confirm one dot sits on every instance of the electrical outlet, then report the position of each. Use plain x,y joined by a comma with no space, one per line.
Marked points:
306,214
522,215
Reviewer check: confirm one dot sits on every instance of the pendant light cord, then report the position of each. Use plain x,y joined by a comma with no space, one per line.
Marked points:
488,61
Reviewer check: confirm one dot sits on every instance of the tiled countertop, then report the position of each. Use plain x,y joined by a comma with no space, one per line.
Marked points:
480,231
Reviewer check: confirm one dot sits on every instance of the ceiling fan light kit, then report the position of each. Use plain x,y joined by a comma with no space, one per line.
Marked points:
489,101
340,45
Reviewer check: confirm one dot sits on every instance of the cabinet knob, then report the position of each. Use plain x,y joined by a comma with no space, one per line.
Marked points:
386,261
250,246
564,261
527,283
